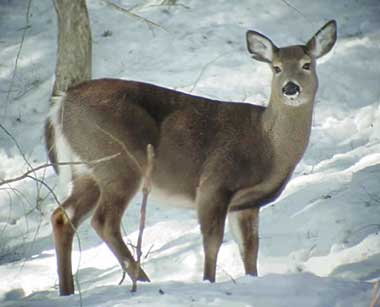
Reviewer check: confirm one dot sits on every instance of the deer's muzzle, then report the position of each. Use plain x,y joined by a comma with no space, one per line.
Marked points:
291,90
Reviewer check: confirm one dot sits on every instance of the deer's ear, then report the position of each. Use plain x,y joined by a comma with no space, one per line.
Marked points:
323,41
260,46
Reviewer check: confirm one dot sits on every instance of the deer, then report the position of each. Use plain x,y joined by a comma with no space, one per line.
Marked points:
226,159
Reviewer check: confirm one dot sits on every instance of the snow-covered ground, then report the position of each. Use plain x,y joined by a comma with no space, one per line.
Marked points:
320,241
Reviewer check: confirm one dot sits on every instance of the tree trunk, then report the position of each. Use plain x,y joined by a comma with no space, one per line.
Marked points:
73,57
74,44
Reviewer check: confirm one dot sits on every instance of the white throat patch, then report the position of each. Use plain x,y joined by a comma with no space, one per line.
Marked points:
294,101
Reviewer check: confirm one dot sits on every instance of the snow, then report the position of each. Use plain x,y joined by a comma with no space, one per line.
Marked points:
320,242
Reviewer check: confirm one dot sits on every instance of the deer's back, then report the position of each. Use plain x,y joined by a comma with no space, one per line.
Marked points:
192,136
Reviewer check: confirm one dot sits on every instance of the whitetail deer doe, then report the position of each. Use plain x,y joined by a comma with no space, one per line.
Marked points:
227,158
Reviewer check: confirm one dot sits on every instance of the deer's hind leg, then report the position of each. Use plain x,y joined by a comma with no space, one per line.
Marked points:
119,182
65,221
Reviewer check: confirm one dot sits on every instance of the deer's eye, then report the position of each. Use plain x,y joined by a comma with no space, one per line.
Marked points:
277,69
306,66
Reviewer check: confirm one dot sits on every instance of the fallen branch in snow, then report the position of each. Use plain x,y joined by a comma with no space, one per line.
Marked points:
375,302
147,187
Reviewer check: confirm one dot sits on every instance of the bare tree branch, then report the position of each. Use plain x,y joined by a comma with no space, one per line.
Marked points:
293,7
73,227
46,165
129,12
205,67
24,29
18,146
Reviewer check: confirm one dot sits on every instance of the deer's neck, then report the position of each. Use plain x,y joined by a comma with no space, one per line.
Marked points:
288,129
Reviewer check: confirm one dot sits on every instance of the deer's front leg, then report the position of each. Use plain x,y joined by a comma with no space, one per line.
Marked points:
244,226
212,210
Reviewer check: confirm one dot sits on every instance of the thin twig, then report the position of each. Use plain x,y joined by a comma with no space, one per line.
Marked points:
205,67
43,183
129,12
372,196
146,190
149,251
169,3
33,241
46,165
139,169
18,146
375,295
229,275
24,29
125,149
27,163
73,227
294,8
10,199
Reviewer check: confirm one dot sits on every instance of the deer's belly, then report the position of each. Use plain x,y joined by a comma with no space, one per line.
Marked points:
165,198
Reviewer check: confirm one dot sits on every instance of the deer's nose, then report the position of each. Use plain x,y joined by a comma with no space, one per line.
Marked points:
291,89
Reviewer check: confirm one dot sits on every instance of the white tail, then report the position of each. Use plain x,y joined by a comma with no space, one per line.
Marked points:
223,157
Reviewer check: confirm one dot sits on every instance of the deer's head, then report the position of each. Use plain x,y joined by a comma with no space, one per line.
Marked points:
294,80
